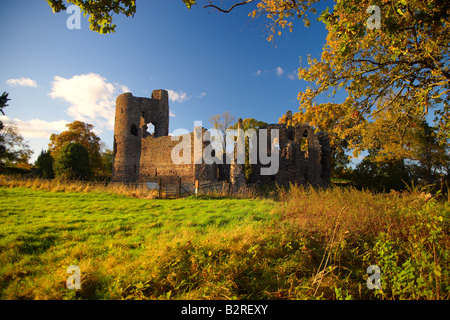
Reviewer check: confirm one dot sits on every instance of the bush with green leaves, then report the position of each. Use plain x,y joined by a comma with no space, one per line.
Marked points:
415,267
381,176
72,163
44,163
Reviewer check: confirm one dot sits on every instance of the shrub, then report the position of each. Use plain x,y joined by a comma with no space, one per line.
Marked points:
45,165
417,267
72,163
381,176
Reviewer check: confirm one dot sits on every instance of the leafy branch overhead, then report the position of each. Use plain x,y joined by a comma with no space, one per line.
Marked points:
100,12
280,13
400,70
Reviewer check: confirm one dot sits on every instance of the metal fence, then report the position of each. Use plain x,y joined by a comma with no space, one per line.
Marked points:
163,188
170,189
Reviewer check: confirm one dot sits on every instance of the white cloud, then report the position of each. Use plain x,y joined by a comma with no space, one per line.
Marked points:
258,73
171,114
178,96
279,71
292,76
122,88
24,82
91,98
201,95
36,128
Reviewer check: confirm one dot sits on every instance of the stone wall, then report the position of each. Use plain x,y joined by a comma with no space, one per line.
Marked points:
156,162
141,156
311,166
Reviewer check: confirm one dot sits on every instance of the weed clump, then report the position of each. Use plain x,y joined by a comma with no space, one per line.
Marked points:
349,230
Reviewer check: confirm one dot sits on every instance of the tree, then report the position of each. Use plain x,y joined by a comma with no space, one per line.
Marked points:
404,65
72,163
82,133
432,157
3,103
402,150
398,71
396,136
247,124
222,122
381,176
250,123
107,160
44,163
15,149
100,11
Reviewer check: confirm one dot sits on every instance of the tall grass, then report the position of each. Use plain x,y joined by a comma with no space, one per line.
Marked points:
407,236
129,190
226,191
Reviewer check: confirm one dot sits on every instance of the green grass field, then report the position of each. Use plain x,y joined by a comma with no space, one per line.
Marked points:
307,245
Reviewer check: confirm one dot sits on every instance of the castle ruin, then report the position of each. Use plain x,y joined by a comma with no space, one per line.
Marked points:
142,157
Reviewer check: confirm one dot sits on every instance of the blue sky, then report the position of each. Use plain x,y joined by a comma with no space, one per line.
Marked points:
210,62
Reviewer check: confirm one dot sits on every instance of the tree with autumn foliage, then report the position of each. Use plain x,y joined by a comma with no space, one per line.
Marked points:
395,73
402,150
82,133
400,69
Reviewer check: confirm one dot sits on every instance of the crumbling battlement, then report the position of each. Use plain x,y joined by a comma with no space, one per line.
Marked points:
304,156
130,128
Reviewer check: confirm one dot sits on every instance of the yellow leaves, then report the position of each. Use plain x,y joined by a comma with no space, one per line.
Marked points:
281,13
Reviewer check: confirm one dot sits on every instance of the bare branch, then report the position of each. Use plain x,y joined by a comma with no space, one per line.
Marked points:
210,5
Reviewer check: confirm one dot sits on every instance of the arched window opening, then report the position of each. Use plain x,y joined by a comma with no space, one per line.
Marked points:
134,130
304,144
148,130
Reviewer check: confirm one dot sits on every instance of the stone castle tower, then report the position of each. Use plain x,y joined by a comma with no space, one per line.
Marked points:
133,114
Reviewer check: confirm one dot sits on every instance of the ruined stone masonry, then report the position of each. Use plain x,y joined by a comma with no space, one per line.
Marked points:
141,157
